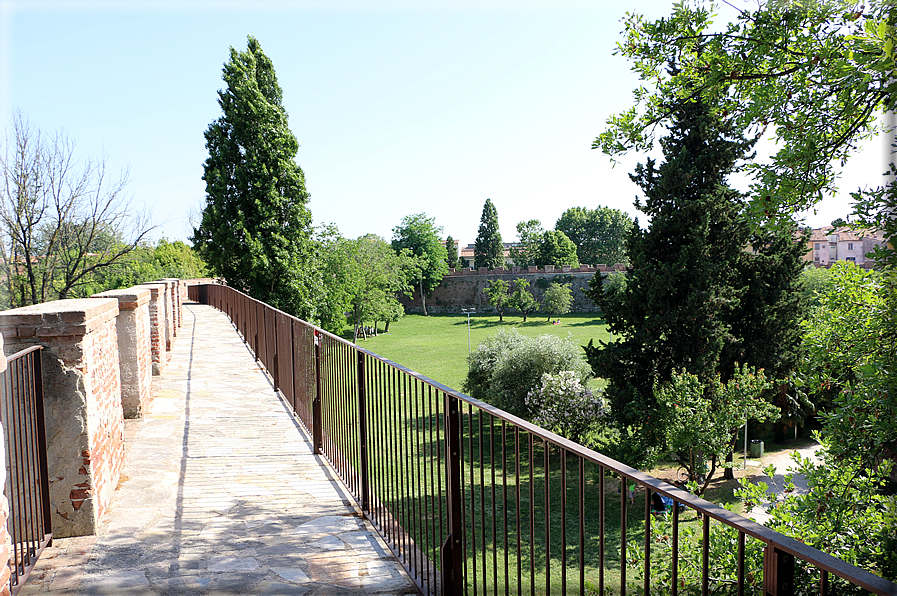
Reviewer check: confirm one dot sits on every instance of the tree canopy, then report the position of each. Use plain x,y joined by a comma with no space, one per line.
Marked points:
599,234
557,300
256,229
556,249
419,234
529,240
497,291
488,250
522,299
814,76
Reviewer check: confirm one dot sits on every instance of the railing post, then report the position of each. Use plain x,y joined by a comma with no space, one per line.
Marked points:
43,467
363,432
452,552
317,423
778,572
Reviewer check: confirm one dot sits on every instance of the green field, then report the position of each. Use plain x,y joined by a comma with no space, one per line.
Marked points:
436,346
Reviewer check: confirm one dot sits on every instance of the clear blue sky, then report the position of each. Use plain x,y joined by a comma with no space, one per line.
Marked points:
399,107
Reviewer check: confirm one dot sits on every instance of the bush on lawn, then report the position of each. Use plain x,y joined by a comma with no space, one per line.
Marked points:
507,366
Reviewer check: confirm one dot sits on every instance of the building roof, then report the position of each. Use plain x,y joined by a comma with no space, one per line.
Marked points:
844,233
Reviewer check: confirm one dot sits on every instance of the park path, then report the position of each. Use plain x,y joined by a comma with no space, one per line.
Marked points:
221,494
784,464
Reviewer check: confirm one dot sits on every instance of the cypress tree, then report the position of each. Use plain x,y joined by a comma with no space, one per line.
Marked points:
488,250
256,229
693,297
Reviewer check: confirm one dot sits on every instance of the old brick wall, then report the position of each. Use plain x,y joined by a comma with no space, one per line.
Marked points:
174,305
156,307
135,354
464,289
82,402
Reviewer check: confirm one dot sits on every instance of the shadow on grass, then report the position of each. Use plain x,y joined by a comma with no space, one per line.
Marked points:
596,322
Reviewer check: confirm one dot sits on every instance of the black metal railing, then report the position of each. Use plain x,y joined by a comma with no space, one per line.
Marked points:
473,500
27,485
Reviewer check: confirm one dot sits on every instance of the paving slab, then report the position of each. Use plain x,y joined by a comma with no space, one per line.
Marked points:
222,494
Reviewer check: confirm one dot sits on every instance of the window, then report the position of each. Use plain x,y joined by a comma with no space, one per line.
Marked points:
850,246
851,259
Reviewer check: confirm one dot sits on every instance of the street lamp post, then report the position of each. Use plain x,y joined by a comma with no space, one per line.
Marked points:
468,312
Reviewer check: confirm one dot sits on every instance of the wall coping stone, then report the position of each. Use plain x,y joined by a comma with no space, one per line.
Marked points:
128,298
76,316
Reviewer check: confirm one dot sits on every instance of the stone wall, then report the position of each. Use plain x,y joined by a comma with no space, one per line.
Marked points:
464,289
82,403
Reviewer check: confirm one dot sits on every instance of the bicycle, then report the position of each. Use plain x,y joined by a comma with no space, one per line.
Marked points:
684,477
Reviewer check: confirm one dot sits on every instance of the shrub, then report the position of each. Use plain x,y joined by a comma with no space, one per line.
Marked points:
562,405
507,366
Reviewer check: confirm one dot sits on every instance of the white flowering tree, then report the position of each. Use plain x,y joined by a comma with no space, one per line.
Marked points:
564,406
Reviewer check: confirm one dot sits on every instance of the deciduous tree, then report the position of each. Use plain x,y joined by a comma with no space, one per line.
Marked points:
557,300
64,221
522,299
419,234
699,419
529,239
556,249
599,234
815,76
488,250
498,296
256,229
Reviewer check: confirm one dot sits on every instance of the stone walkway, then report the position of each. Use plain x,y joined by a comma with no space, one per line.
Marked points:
221,494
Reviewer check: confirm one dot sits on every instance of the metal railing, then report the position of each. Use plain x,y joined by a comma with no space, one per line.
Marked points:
27,484
473,500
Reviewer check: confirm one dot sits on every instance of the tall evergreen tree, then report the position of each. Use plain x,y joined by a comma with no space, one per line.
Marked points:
451,250
256,230
488,250
688,300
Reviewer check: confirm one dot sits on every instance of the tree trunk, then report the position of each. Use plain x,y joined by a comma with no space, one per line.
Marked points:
729,472
423,297
386,328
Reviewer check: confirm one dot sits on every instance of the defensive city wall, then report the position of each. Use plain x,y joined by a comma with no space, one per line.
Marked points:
463,288
99,357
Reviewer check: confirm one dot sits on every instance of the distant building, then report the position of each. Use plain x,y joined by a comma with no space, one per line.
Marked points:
467,254
829,244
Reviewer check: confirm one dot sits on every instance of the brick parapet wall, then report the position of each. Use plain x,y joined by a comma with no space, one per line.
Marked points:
174,292
547,270
466,290
156,307
82,402
135,352
169,314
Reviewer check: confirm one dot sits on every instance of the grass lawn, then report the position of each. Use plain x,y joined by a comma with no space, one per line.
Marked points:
436,346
